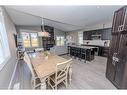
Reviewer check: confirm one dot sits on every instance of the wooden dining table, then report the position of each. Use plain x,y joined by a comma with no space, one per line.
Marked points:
44,67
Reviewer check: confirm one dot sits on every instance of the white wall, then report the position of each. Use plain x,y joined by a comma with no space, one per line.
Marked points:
74,37
6,72
100,25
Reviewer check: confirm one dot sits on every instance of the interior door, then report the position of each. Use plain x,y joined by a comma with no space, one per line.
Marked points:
122,56
111,63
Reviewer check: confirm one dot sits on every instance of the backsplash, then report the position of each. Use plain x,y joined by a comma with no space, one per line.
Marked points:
97,42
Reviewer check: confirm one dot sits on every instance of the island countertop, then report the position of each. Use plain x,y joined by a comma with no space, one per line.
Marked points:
85,47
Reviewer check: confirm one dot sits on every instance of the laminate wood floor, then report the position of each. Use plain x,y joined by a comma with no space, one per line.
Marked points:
89,75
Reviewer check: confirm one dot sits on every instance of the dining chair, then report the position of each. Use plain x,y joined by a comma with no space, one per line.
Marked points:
39,49
61,74
35,81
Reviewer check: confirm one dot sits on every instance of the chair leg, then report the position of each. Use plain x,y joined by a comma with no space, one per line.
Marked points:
66,83
48,82
55,86
70,75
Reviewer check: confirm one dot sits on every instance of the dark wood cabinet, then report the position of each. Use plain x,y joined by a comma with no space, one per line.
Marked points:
87,35
105,34
116,70
48,42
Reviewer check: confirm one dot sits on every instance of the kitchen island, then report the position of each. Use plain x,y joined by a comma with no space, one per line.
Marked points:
82,52
101,51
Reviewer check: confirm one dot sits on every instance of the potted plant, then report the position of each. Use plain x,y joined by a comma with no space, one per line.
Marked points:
46,55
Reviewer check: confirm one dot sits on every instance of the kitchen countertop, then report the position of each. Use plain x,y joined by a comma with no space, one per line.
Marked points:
96,45
86,47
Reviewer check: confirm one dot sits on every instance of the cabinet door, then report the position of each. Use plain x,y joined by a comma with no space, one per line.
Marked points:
87,35
125,20
118,19
106,34
122,56
111,63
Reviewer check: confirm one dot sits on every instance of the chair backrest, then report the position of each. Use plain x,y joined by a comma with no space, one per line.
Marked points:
39,49
63,68
28,61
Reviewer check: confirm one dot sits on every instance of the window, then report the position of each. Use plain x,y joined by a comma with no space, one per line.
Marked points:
4,48
30,39
80,37
60,40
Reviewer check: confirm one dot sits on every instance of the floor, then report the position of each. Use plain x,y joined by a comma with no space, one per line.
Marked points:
89,75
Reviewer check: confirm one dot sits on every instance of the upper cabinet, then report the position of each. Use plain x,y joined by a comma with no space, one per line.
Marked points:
87,35
99,34
106,34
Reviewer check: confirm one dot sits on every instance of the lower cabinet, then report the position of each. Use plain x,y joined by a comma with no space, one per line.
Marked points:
103,51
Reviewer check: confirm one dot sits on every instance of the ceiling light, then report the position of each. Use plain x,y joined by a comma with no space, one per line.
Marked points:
43,33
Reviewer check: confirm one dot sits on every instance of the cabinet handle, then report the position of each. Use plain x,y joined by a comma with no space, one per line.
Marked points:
115,59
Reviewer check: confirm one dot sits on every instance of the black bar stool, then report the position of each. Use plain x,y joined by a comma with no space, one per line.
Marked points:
83,54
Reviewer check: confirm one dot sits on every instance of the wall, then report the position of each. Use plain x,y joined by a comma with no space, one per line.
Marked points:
74,37
6,72
100,25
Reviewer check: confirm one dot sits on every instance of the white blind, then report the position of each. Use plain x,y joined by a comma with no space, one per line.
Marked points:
80,37
60,40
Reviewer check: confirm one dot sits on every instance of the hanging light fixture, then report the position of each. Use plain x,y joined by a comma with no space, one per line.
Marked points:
43,33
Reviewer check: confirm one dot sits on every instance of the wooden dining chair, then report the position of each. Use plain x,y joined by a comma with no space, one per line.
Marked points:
61,74
35,81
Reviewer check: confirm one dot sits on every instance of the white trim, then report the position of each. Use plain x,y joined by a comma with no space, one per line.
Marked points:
13,74
4,62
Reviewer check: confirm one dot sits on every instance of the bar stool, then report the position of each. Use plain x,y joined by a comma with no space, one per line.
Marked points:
79,53
71,51
83,54
74,52
68,50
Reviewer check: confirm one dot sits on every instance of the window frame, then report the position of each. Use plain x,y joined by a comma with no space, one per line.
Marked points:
80,37
28,31
60,41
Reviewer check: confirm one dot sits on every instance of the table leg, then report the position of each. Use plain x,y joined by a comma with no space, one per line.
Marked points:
70,74
43,83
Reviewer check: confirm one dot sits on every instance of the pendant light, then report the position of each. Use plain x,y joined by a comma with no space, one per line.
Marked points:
43,33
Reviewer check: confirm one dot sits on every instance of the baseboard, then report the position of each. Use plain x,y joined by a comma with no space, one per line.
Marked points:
13,74
63,54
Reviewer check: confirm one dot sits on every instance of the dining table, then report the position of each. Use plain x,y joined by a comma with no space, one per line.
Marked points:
46,66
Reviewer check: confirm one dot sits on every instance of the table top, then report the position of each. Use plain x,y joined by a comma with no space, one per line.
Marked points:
45,67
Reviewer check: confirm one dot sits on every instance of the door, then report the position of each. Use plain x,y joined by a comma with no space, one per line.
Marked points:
111,63
122,56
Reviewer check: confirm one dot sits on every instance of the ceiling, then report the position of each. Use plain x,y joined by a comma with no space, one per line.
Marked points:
66,18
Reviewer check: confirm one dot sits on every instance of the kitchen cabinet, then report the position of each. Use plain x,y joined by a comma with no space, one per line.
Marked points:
48,42
99,34
87,35
106,34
